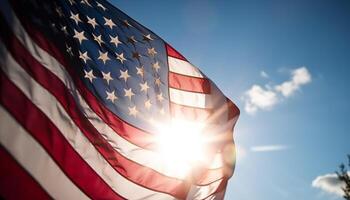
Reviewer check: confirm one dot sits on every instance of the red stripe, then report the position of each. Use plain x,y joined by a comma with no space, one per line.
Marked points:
233,110
134,135
52,141
136,173
201,114
188,83
173,53
190,113
127,131
16,182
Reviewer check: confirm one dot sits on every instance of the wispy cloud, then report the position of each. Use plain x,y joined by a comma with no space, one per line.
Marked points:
300,76
267,148
264,74
329,183
265,98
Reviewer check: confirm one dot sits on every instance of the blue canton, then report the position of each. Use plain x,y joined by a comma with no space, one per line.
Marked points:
121,62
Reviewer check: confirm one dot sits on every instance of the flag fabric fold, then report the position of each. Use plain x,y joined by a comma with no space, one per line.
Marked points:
84,88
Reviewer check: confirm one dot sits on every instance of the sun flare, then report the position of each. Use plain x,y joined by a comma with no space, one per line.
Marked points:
181,145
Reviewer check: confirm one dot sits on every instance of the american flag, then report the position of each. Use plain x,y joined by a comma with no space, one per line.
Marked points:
84,88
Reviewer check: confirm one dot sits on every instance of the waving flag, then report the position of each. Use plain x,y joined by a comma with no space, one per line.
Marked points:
86,92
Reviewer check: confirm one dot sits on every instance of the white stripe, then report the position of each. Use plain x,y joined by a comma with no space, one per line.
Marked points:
183,67
217,196
35,160
192,99
53,109
132,152
198,193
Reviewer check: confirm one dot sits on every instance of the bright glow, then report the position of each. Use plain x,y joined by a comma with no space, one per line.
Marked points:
181,145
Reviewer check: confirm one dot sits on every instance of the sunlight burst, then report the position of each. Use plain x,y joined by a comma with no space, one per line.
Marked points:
181,145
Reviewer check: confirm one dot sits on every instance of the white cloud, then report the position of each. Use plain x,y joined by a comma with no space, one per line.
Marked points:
300,76
329,183
265,98
264,74
267,148
259,98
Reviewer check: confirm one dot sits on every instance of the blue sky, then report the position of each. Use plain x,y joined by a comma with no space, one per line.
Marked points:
233,42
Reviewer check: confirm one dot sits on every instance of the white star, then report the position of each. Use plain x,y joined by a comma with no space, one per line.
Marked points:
133,111
71,2
147,37
157,81
75,17
89,75
69,50
53,27
79,35
136,55
156,66
64,29
98,39
107,76
111,96
101,6
124,75
115,40
92,21
128,93
120,57
144,87
152,121
162,111
140,71
132,39
151,51
109,22
85,2
84,56
126,23
103,56
59,11
160,97
148,104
